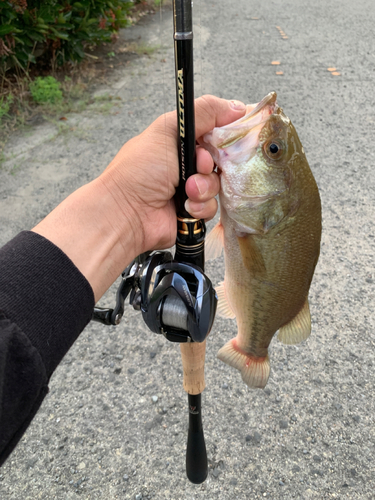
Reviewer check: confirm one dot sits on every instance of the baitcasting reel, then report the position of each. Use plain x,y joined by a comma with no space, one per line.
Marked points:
176,299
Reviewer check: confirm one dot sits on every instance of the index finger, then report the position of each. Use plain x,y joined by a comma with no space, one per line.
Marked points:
210,112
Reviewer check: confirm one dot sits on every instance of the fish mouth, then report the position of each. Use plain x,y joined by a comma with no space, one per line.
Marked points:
267,106
240,139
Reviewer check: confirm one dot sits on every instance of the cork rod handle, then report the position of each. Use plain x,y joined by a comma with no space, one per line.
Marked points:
193,357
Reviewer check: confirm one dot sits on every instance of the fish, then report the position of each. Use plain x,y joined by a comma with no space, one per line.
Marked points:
270,228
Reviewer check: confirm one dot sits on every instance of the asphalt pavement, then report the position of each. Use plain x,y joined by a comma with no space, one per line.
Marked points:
114,425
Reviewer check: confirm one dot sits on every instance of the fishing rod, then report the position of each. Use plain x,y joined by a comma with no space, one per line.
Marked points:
174,295
190,232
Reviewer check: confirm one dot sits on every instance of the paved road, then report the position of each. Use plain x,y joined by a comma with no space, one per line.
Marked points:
310,433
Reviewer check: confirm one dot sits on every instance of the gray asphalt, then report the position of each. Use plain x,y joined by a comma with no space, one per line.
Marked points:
310,433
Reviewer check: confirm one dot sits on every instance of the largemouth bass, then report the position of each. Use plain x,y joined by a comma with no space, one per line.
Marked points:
270,228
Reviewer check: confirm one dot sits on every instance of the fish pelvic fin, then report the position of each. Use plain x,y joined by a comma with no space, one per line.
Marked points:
223,308
254,370
215,242
298,329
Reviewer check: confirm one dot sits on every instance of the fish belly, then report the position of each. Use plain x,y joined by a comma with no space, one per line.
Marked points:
244,295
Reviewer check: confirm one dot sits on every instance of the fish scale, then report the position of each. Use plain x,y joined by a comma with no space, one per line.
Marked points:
270,228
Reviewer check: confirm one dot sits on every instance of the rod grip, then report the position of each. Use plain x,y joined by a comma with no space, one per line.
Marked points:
193,356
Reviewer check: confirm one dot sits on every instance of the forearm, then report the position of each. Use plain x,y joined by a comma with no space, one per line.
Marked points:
95,232
45,303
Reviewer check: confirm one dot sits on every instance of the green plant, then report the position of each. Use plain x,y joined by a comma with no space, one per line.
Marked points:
5,103
144,49
46,90
56,31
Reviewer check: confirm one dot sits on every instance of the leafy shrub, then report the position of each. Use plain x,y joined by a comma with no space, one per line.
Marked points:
46,90
56,30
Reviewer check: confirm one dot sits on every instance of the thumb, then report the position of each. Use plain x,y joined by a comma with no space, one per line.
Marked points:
211,112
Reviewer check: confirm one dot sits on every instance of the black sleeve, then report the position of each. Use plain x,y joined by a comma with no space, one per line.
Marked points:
45,303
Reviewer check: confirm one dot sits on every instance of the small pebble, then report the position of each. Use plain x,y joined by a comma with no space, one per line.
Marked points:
125,477
281,483
216,472
224,386
139,496
155,399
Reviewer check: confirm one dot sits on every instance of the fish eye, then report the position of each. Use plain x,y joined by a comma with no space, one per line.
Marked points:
274,150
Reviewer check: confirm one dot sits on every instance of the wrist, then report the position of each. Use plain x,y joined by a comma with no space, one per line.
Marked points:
95,232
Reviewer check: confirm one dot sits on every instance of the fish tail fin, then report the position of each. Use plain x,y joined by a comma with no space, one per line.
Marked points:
215,242
254,370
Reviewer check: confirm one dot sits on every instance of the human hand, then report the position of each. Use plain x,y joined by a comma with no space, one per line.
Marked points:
129,208
145,173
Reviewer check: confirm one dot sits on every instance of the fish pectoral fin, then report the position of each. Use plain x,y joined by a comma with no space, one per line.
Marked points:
254,371
223,307
298,329
251,255
215,242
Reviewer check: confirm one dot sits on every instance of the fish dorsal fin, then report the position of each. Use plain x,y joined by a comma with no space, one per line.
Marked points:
215,242
298,329
223,308
251,255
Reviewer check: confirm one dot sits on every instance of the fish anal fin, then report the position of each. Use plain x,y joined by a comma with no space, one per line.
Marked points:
214,242
223,308
298,329
254,370
251,255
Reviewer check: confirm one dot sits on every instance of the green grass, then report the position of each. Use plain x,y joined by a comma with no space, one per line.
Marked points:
5,104
144,49
46,97
46,90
